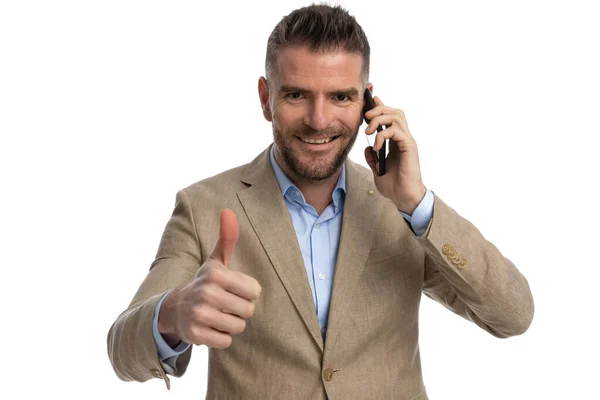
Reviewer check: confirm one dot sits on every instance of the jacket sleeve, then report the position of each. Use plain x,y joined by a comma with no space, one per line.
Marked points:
131,346
468,275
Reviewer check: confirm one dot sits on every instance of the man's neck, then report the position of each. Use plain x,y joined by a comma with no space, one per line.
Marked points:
316,193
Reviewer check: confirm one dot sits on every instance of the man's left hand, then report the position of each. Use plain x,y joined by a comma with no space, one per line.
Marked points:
402,181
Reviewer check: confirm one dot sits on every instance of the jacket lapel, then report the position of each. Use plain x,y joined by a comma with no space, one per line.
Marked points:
362,210
265,207
266,210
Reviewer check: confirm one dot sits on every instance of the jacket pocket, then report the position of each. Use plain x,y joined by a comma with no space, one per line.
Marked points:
392,250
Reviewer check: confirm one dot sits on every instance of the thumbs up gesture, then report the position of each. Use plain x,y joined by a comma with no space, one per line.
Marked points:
216,304
228,237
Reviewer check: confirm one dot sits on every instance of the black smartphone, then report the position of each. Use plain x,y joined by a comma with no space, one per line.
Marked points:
370,104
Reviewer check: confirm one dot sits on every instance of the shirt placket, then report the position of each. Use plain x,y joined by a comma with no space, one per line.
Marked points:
320,249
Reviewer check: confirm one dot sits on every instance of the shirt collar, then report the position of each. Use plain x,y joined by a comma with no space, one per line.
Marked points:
287,186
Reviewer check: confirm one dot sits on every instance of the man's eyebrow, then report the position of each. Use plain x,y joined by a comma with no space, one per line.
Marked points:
350,92
289,88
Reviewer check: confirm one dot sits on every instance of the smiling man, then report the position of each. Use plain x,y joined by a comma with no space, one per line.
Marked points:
302,272
316,110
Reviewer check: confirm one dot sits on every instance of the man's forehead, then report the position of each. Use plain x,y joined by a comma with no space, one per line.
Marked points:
297,63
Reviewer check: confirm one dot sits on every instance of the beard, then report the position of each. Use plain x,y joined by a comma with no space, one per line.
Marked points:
321,168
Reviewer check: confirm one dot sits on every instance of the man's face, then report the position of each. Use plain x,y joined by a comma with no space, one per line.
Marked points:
315,103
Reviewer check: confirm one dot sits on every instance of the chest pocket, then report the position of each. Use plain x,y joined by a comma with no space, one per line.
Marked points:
392,250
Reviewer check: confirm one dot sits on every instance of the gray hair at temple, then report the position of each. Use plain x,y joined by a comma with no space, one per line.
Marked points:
323,28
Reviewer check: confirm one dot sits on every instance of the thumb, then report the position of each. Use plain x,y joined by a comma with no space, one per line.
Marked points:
371,157
229,233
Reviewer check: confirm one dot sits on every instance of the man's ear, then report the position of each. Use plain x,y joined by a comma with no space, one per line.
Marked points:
263,94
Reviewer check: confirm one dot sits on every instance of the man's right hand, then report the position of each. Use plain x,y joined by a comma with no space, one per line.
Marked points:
216,304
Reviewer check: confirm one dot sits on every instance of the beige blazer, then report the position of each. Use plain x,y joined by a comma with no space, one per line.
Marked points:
372,349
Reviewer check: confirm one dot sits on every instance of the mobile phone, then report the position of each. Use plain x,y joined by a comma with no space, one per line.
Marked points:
369,105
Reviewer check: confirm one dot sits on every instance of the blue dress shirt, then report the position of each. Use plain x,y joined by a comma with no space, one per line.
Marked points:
318,237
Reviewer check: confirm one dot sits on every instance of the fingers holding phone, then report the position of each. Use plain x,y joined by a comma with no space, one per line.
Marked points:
402,181
389,123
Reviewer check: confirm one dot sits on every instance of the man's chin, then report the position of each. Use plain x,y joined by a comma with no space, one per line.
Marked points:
311,166
315,172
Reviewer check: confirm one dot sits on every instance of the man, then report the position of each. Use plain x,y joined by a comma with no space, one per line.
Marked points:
303,271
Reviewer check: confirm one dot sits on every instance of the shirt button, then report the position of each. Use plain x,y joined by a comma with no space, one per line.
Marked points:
328,374
297,193
317,226
321,276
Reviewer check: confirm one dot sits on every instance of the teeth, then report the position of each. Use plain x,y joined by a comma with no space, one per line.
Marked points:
317,141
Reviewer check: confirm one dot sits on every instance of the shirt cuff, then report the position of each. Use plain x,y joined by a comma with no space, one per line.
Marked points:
422,215
164,350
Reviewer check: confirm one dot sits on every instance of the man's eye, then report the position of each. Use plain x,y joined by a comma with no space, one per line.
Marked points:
341,97
294,95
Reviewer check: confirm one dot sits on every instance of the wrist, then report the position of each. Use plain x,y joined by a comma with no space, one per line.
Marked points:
166,324
409,207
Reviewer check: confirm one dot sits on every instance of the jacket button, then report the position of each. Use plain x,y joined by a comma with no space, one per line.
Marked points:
446,249
328,374
155,373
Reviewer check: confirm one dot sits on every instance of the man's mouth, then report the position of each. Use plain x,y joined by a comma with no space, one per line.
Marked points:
319,141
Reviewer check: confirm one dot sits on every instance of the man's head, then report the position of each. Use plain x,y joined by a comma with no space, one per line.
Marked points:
317,67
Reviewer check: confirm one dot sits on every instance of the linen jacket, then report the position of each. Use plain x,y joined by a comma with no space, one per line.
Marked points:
371,350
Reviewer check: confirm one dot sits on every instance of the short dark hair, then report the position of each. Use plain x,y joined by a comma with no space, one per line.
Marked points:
323,28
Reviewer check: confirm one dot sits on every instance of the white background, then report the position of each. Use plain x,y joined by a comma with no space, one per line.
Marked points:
108,108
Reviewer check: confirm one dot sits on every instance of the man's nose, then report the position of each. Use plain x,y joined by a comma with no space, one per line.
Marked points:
318,116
